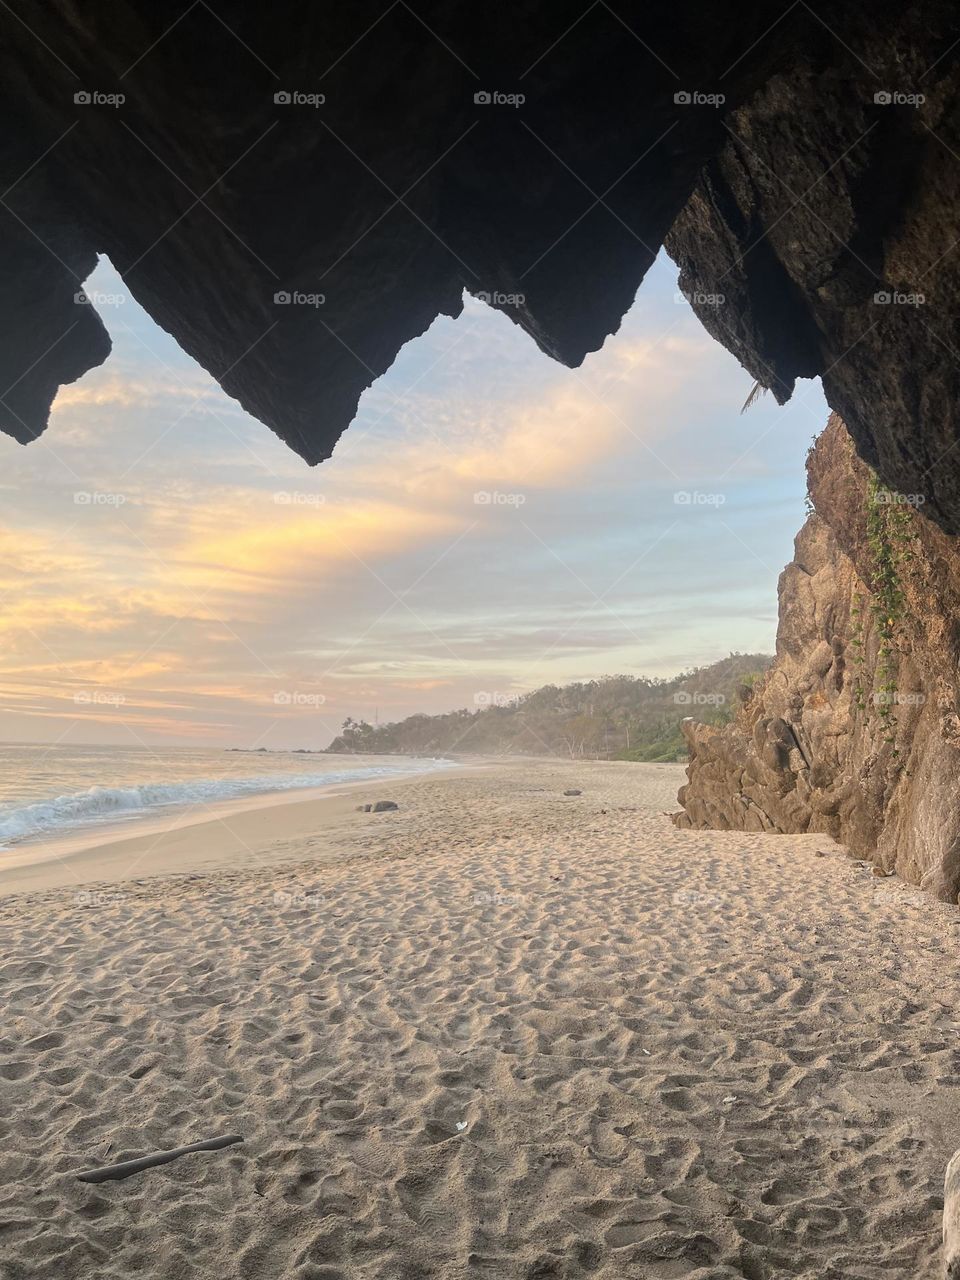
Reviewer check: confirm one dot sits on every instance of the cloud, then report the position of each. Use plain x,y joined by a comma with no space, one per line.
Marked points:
230,569
100,389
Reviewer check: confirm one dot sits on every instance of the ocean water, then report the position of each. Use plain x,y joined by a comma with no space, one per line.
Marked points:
49,790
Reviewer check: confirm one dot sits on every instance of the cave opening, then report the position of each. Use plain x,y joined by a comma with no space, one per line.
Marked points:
534,525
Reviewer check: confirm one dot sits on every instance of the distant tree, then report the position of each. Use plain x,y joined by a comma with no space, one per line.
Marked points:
620,717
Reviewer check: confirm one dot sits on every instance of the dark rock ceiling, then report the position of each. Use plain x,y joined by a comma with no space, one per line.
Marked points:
826,178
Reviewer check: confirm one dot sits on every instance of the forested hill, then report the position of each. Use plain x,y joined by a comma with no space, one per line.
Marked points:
615,717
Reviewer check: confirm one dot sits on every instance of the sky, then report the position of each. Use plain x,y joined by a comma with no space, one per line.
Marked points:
492,522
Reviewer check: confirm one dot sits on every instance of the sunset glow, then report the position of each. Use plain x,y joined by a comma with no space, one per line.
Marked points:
172,573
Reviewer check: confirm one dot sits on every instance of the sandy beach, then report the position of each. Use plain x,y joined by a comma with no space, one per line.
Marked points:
500,1032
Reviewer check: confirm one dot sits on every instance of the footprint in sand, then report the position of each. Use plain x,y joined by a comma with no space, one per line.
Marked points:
632,1230
783,1191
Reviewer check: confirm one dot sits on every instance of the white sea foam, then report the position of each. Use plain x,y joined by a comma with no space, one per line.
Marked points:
107,804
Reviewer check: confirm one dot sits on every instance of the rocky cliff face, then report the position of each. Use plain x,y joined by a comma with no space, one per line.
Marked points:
843,267
855,730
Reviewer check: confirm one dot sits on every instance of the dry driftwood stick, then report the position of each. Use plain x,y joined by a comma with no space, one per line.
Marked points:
126,1168
951,1219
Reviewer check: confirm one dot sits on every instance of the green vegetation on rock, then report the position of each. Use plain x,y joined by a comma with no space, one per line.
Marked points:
889,538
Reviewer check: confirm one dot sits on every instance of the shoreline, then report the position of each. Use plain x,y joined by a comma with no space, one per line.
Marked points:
224,835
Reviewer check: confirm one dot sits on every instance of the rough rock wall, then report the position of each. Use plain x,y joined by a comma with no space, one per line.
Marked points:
826,225
855,730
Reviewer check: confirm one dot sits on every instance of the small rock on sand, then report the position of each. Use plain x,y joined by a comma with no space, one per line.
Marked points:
380,806
573,792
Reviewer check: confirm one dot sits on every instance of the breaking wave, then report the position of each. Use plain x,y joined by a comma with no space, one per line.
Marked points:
106,804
